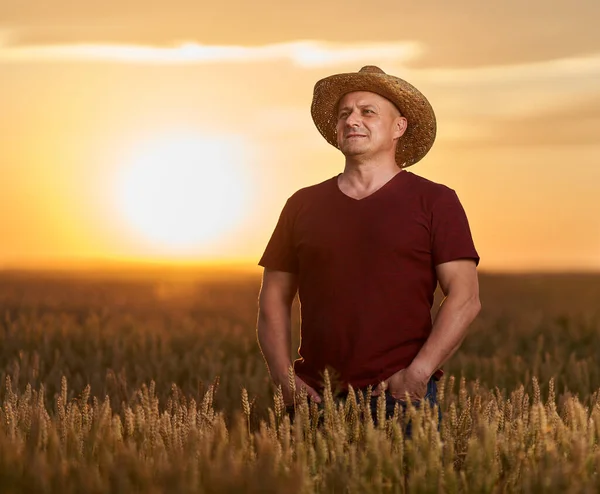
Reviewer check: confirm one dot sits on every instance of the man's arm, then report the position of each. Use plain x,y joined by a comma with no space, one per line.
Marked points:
274,328
459,283
458,280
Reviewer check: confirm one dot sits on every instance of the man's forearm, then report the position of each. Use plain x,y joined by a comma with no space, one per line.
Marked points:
449,329
274,339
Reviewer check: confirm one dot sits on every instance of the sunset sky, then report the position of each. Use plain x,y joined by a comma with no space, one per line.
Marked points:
175,131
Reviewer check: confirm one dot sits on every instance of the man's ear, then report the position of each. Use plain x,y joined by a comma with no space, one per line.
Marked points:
401,124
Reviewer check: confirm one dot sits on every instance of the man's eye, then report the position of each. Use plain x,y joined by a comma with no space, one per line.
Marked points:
367,110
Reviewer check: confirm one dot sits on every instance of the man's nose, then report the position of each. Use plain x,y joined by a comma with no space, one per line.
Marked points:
353,120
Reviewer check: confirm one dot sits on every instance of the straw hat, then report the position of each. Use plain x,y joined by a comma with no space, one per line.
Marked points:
420,133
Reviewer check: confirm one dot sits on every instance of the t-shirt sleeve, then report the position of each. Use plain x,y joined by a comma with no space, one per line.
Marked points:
280,253
451,237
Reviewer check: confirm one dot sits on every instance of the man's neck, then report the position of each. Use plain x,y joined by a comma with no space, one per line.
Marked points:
361,179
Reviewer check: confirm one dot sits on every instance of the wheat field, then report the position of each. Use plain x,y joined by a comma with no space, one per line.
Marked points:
153,382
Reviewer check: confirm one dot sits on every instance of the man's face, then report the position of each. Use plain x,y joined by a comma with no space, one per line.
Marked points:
368,125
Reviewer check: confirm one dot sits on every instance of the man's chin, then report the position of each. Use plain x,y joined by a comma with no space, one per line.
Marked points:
352,151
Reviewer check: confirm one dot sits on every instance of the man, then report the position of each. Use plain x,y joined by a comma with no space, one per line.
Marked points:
365,251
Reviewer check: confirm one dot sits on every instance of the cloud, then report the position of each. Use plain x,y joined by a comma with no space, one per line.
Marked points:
484,105
460,33
577,124
572,73
521,73
302,53
308,54
508,91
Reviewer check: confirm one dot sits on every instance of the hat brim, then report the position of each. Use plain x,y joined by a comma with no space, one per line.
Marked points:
419,136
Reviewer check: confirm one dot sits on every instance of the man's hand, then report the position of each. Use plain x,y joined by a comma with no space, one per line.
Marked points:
405,381
288,398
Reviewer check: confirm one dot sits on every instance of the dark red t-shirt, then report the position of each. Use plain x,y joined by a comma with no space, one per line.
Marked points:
366,272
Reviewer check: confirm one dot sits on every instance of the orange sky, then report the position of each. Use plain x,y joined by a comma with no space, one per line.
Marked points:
88,90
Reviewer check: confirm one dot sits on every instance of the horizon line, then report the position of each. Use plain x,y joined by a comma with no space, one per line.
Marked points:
240,265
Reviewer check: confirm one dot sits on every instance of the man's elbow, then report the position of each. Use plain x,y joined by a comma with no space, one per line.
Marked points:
474,306
273,311
466,302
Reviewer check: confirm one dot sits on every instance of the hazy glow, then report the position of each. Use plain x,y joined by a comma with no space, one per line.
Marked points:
181,192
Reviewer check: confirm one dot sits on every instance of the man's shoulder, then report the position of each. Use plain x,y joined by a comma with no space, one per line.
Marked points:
311,192
429,188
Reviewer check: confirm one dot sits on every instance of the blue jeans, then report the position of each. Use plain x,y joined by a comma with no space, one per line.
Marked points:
390,403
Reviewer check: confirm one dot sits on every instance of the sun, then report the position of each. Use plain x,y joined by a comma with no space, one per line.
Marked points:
180,192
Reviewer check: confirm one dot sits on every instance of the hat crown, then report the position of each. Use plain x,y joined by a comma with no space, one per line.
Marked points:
371,69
